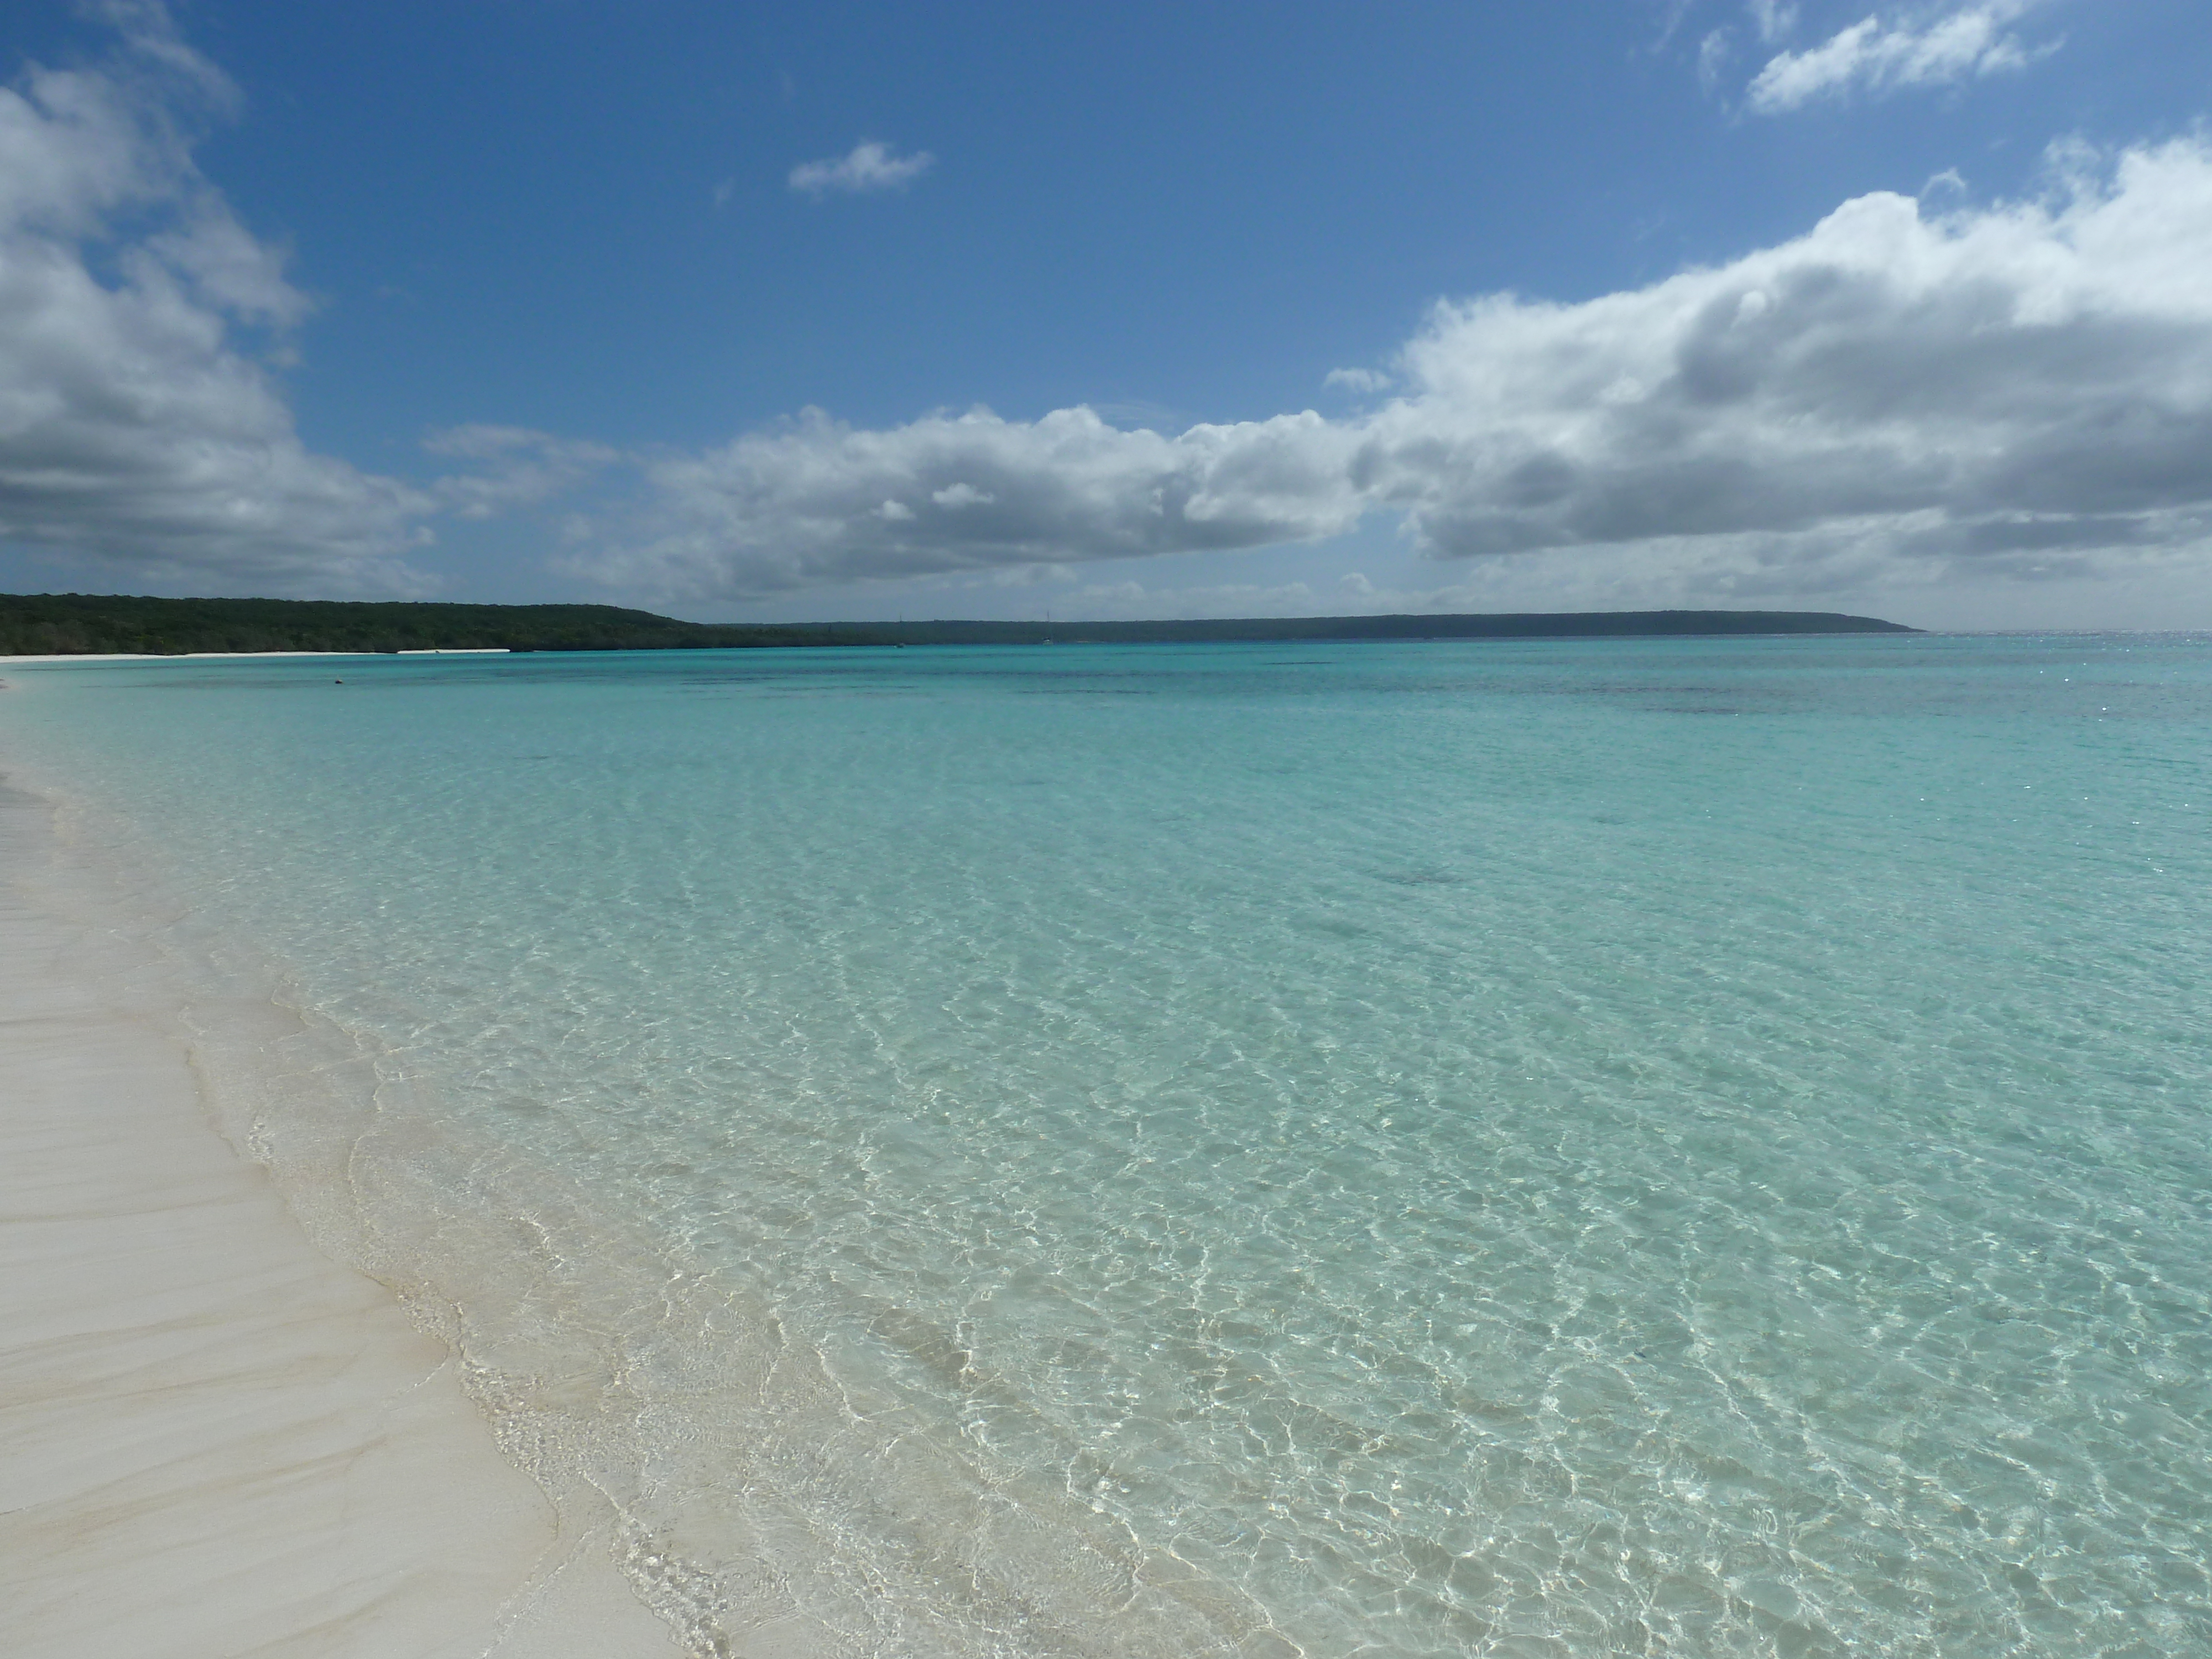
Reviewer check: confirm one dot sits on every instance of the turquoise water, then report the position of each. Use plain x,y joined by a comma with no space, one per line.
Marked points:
1691,1147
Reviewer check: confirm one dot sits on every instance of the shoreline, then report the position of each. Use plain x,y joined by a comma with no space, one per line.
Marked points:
217,1440
180,656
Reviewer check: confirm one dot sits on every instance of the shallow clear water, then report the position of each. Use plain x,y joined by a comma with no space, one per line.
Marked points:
1609,1147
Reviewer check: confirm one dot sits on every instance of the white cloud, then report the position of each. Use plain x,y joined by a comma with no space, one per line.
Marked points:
1877,57
868,166
962,495
1357,380
1713,54
1773,19
514,467
2025,389
138,428
802,504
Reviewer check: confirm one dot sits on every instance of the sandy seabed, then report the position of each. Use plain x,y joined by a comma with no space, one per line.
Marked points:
215,1441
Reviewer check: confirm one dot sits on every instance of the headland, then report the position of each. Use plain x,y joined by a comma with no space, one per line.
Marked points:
83,624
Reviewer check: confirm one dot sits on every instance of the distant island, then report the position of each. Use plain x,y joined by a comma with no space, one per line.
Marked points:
79,624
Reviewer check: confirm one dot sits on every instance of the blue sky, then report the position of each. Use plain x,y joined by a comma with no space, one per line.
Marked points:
846,311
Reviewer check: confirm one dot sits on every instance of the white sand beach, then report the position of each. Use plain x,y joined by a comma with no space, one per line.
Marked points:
215,1441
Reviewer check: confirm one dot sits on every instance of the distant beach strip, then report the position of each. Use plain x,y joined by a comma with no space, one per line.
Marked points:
214,1439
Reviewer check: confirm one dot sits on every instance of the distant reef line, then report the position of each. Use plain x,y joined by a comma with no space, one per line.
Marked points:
85,624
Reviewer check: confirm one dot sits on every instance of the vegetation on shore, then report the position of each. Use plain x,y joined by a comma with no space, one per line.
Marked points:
70,625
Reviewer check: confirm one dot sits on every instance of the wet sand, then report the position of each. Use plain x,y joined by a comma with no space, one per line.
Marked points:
215,1441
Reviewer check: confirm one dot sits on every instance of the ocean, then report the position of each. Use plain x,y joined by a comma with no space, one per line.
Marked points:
1691,1147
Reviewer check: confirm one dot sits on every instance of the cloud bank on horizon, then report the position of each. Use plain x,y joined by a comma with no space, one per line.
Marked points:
1898,397
2024,389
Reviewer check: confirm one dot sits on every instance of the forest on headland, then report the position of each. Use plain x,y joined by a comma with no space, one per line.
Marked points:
76,624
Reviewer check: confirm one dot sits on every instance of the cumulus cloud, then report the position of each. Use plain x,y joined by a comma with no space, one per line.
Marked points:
816,501
1361,381
1875,56
868,166
2026,389
2033,377
140,426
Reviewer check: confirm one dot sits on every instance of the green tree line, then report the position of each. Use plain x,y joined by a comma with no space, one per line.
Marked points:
68,624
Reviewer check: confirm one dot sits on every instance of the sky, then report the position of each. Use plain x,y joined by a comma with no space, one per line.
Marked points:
851,311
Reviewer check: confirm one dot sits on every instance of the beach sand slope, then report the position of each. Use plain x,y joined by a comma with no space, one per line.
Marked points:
215,1441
